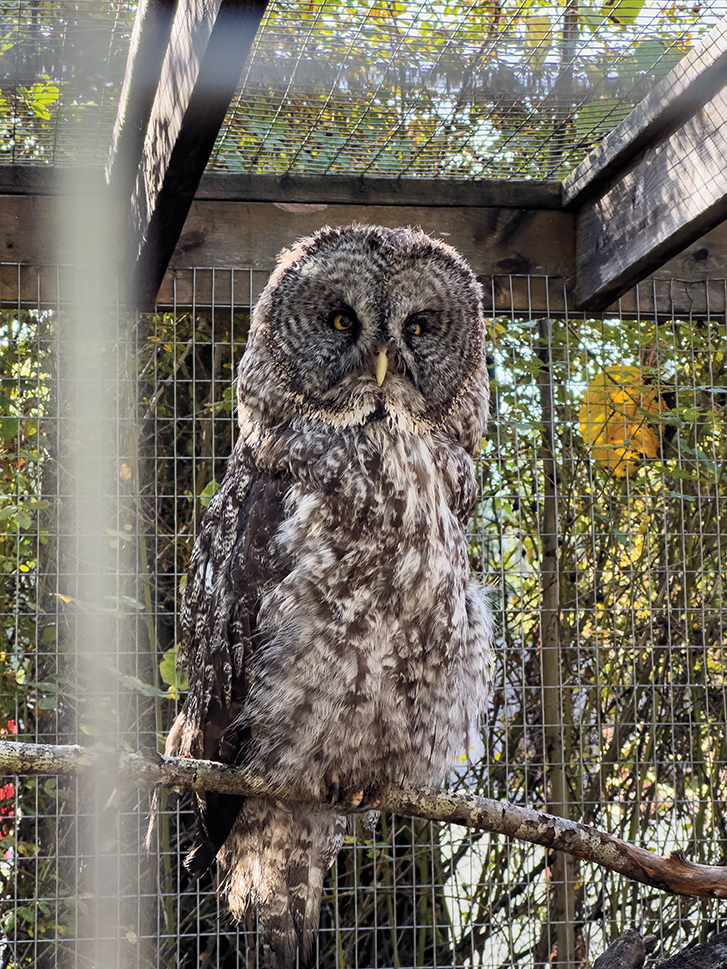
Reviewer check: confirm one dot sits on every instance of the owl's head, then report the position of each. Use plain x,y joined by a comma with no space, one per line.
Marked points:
364,323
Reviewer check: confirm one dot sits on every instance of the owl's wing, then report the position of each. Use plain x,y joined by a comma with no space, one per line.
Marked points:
457,472
230,566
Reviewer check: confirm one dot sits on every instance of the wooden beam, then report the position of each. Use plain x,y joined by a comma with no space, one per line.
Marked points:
506,242
358,190
494,240
657,183
671,195
317,189
698,76
526,257
209,42
32,180
149,42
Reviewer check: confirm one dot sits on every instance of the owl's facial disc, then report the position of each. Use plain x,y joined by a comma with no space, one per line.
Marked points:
366,323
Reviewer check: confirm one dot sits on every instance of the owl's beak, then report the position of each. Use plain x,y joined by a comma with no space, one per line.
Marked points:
382,362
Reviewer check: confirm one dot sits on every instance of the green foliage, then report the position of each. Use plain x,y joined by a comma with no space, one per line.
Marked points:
27,372
208,492
174,678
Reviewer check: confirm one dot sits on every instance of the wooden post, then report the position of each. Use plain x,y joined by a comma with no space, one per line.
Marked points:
563,870
149,41
675,193
209,42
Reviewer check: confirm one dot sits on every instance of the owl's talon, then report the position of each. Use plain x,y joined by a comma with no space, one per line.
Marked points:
365,801
372,800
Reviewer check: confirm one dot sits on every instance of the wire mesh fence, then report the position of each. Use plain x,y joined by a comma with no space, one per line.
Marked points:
605,455
376,88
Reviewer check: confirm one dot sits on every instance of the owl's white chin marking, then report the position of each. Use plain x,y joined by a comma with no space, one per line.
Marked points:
358,400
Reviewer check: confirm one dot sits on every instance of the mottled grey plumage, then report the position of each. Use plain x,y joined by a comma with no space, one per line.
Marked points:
331,631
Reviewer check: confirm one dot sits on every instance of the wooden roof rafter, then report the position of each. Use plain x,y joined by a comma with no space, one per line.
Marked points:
181,75
657,182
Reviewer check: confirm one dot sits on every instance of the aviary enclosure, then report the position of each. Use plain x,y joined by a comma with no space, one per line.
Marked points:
574,155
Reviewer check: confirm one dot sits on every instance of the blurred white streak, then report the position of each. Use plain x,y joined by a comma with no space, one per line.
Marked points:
90,341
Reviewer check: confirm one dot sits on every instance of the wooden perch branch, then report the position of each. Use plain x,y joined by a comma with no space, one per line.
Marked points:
628,951
674,874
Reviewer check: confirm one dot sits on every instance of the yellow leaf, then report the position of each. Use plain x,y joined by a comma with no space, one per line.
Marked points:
622,11
614,420
537,30
537,36
494,327
125,472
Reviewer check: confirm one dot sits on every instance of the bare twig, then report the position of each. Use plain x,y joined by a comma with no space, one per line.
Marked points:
673,874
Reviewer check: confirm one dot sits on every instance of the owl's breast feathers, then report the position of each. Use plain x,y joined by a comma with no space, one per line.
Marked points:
371,626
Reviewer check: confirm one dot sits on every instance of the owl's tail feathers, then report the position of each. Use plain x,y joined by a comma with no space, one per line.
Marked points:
216,814
278,856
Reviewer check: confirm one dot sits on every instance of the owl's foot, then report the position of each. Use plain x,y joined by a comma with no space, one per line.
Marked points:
363,800
371,800
331,792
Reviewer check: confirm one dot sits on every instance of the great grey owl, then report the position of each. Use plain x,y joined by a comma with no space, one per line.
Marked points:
331,633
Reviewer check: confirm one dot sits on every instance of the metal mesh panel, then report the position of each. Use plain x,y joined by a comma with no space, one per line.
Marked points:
607,443
61,67
471,90
376,88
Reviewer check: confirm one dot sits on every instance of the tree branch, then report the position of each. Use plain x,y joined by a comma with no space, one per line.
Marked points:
673,874
628,951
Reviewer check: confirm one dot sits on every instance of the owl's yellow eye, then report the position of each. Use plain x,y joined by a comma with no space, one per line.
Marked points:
416,326
342,322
